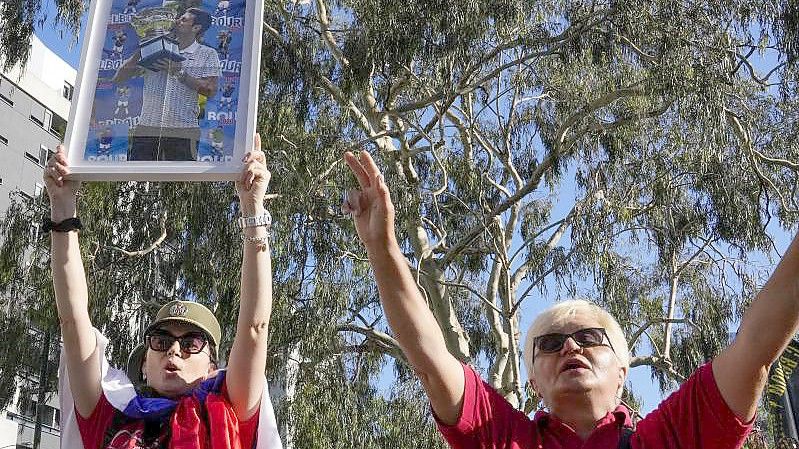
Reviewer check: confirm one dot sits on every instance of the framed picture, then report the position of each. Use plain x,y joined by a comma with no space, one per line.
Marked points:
167,90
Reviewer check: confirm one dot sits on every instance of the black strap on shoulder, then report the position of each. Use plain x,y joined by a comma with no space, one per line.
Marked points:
625,440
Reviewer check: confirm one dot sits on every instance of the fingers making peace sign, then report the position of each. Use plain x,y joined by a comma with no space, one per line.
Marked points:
371,205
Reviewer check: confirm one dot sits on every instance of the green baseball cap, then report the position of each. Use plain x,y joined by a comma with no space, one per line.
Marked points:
188,312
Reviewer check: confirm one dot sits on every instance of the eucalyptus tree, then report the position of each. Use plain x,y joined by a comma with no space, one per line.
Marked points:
672,121
631,152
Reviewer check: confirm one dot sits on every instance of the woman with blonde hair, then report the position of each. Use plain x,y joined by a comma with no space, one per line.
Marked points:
577,360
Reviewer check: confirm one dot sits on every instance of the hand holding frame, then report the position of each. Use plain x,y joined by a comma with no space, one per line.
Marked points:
61,191
254,180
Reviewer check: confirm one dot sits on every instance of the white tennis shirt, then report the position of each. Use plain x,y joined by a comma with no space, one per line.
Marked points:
169,103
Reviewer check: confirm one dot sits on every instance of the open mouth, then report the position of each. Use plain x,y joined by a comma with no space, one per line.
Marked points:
573,365
171,368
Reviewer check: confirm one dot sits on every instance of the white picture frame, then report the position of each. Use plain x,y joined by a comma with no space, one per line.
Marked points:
81,139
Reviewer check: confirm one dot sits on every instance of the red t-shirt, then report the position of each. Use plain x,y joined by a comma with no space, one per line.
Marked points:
693,417
108,428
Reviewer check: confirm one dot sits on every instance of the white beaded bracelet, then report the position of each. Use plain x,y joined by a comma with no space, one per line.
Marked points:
265,219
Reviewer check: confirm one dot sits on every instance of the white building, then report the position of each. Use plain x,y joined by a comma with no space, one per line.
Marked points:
34,106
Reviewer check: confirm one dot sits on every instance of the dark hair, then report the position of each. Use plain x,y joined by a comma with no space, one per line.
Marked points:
202,18
212,353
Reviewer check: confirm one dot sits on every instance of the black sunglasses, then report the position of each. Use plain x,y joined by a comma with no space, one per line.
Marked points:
192,343
585,338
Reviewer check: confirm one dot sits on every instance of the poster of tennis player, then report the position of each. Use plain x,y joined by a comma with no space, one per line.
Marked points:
163,89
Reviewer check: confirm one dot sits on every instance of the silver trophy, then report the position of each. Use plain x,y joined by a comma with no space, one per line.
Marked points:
153,25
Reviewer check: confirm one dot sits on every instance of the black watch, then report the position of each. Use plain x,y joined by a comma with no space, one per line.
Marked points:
70,224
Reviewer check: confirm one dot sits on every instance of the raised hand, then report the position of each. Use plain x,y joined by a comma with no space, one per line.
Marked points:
371,205
254,180
61,191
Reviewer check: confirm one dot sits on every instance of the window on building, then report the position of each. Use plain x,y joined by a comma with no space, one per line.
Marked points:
59,126
41,157
68,91
26,405
33,158
6,91
48,119
37,114
49,417
44,154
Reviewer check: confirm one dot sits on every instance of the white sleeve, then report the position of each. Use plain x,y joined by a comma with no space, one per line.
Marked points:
117,388
210,64
267,435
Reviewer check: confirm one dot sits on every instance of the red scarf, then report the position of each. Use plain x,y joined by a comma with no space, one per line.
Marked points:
190,430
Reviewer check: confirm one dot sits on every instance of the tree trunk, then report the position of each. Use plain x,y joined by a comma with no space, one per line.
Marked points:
291,373
456,338
41,391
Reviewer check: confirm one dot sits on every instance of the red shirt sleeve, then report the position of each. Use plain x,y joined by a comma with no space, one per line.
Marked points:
487,420
693,417
247,429
93,427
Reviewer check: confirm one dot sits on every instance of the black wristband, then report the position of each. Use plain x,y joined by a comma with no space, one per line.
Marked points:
70,224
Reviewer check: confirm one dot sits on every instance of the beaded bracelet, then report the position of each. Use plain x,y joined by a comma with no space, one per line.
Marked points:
260,242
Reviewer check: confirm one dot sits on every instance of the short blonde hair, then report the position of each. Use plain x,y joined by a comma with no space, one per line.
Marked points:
559,313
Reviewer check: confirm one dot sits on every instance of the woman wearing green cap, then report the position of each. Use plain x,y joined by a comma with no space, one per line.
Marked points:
188,405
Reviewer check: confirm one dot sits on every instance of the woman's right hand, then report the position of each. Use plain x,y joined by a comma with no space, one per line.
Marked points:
62,192
371,205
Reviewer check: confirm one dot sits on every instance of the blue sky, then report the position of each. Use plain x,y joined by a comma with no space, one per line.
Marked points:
58,39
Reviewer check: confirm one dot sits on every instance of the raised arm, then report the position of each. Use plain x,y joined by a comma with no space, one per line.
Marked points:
741,370
71,294
413,323
247,362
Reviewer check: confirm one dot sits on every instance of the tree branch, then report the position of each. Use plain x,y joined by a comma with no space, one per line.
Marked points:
330,41
637,334
385,343
541,168
659,363
149,249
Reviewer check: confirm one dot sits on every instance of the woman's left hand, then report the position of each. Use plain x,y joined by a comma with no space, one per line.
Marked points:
254,180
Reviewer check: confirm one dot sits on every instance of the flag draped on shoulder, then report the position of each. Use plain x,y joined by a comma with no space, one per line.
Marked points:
189,416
